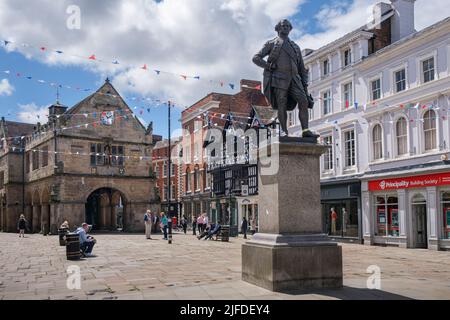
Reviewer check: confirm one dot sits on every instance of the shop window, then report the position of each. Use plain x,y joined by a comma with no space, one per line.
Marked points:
445,200
386,209
341,218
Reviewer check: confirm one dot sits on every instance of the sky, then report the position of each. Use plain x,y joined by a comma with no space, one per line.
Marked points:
211,42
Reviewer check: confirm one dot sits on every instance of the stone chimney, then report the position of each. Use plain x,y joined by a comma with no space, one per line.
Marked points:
403,19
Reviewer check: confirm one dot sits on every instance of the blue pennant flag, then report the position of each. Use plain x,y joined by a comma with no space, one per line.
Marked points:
356,105
231,86
59,51
115,62
29,78
6,42
157,72
197,77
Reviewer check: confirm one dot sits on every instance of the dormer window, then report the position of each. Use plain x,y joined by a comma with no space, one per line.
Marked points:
325,68
347,57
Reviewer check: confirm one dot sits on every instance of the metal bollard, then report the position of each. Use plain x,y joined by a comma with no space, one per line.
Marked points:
170,231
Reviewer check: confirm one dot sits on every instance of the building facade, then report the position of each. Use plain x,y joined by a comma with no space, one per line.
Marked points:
161,171
235,171
382,101
210,112
90,163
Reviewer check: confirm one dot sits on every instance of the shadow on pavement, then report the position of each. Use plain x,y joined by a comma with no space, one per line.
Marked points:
349,293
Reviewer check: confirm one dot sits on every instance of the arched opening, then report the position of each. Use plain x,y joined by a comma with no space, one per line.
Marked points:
419,215
105,209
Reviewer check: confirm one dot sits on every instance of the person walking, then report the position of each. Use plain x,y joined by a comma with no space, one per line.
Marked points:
244,227
148,224
333,221
164,224
200,223
22,225
194,225
184,224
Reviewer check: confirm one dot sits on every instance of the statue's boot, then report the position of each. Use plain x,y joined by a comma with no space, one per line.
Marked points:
309,134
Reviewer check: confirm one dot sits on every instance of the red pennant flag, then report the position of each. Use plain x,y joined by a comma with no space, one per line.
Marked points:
43,49
401,106
144,67
221,84
346,104
92,57
258,87
94,124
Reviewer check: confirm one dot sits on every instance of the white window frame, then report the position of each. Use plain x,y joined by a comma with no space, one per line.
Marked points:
351,103
322,67
322,104
344,131
395,137
371,141
369,87
420,61
350,49
422,131
404,66
326,154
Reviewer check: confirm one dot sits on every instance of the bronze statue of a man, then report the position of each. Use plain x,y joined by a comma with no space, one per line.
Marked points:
285,77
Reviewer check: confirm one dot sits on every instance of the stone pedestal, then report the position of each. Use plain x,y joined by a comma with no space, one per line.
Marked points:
291,252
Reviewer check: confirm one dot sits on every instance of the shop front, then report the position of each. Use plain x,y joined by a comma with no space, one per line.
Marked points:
248,208
341,211
410,211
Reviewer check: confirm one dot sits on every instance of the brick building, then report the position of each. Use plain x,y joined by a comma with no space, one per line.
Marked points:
90,163
160,171
210,111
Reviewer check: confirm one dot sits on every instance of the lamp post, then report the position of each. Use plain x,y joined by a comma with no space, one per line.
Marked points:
169,218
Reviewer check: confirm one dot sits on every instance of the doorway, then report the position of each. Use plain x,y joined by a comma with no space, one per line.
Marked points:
419,212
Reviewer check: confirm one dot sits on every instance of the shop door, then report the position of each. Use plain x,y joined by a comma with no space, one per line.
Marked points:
420,211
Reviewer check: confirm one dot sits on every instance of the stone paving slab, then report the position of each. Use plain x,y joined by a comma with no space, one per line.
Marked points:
128,266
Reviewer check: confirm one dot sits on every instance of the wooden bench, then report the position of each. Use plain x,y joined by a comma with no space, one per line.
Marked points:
224,234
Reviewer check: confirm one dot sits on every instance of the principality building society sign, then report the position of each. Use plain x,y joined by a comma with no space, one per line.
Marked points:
432,180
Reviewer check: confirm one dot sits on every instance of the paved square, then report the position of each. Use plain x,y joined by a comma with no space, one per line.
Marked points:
130,267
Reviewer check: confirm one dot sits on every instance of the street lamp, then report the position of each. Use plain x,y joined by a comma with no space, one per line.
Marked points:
168,179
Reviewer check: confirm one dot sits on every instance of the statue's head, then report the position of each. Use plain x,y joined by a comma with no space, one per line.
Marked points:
283,27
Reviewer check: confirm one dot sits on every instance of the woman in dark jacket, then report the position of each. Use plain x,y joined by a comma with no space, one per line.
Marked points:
194,225
21,226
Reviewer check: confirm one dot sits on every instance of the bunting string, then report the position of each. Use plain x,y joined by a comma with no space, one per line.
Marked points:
12,45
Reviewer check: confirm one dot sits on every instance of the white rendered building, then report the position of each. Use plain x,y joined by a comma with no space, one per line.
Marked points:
382,104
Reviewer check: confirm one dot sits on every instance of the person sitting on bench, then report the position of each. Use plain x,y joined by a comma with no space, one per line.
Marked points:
214,231
86,241
205,232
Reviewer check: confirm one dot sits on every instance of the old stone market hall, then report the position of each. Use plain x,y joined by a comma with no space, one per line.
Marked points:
90,163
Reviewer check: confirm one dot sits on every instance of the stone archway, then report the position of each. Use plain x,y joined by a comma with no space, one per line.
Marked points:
103,208
36,211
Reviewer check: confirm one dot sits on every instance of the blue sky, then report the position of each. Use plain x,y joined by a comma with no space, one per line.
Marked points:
210,38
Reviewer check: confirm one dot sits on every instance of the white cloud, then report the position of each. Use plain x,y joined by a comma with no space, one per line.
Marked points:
32,113
6,89
342,17
215,39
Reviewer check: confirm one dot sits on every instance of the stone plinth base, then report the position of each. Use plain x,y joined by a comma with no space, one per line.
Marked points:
283,263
